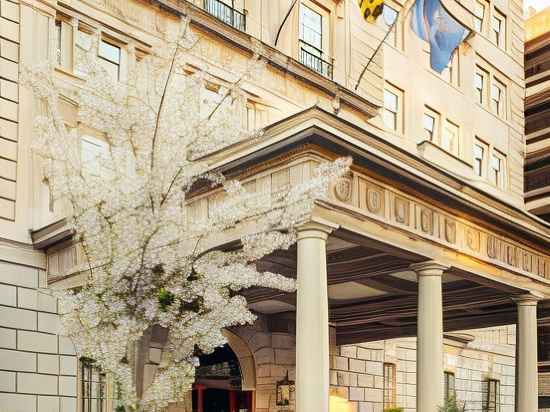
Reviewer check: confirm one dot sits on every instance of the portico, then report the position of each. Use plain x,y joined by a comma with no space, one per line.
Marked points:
386,257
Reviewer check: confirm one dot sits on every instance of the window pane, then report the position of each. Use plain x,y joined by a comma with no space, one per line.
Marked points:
390,101
390,119
109,52
58,41
429,125
311,27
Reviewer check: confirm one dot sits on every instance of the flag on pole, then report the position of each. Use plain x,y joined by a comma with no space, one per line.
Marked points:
371,9
432,23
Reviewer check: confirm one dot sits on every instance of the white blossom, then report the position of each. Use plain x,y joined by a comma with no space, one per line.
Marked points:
148,258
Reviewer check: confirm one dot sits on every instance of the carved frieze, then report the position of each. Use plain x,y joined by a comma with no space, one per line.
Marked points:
389,205
450,230
401,210
375,199
427,221
343,188
473,239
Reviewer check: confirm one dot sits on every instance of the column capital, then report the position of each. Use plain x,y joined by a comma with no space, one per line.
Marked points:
528,299
429,268
315,230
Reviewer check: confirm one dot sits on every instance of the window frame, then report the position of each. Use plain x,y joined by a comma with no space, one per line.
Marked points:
481,19
86,367
114,44
436,117
502,107
399,123
492,394
498,179
483,160
64,36
481,94
389,392
500,37
449,390
317,57
455,144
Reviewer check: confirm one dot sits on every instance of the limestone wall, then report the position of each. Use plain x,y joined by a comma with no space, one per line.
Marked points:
38,368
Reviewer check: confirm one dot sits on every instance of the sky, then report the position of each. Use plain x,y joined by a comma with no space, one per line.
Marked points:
537,4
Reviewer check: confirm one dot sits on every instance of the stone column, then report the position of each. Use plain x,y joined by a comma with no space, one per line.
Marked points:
429,362
527,362
312,337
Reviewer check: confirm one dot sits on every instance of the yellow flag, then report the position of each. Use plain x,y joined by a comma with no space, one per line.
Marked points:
371,9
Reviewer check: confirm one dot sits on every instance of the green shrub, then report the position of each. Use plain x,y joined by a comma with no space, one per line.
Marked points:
393,410
452,405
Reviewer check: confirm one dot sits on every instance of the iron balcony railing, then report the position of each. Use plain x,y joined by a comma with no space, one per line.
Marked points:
310,56
226,13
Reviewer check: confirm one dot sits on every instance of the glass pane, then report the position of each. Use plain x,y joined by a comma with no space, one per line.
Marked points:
477,24
389,15
109,52
311,27
390,120
479,10
478,151
390,101
429,122
478,81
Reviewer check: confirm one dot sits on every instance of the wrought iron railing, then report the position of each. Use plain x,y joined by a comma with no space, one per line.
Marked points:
226,13
310,56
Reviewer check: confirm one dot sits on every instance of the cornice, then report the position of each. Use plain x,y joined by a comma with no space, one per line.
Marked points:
385,161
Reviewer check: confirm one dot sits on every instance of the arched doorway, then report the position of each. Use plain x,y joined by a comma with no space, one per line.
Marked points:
219,384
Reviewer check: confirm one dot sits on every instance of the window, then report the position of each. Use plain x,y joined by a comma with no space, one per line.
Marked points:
480,84
389,385
479,15
491,396
226,12
93,388
498,29
480,151
110,57
449,386
392,109
496,170
389,16
92,152
64,43
449,139
498,98
58,32
430,123
311,41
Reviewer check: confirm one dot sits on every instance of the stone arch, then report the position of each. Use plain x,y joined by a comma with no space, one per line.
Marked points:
246,360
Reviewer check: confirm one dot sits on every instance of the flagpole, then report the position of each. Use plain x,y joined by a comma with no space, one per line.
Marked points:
376,51
284,21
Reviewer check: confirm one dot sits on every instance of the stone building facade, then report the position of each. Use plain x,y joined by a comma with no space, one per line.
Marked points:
432,214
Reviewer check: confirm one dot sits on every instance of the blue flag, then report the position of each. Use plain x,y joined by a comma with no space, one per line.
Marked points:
432,23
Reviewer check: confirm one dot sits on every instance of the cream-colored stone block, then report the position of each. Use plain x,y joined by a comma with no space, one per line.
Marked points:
68,404
26,298
7,382
68,365
17,318
17,361
356,394
12,402
7,188
348,351
67,385
9,69
155,355
9,109
48,364
9,50
366,381
9,30
9,10
8,338
66,347
18,275
8,295
48,404
36,342
8,169
48,322
373,395
8,149
357,365
46,303
7,209
36,383
9,90
8,130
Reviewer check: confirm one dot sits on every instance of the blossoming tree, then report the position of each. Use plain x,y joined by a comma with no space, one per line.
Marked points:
149,261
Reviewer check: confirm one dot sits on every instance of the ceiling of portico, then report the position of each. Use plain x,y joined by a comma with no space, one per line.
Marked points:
373,293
